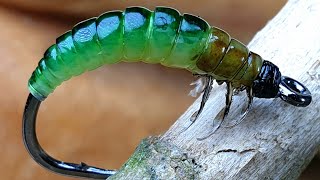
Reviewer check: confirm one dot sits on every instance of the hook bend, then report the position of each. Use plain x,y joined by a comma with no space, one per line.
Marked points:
41,157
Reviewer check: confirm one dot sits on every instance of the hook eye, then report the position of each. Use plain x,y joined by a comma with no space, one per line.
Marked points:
293,92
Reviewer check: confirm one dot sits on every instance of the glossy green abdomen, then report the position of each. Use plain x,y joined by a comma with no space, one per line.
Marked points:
138,34
87,45
189,44
165,26
110,35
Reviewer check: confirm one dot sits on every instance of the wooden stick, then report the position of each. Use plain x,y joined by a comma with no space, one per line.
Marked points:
275,141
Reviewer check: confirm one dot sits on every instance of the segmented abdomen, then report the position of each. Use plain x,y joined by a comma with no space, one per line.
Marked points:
227,59
137,34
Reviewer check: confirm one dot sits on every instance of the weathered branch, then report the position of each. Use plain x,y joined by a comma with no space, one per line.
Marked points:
275,141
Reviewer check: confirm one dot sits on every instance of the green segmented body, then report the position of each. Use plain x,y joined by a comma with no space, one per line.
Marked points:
138,34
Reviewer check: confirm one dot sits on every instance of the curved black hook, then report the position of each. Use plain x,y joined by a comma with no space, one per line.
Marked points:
293,92
42,158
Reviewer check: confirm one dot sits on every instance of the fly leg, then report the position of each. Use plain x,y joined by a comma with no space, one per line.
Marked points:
206,93
205,97
237,91
200,85
217,121
247,109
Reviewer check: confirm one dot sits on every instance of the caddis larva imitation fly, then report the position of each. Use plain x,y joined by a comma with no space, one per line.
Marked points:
161,36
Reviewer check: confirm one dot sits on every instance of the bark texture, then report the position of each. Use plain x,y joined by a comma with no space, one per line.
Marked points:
275,141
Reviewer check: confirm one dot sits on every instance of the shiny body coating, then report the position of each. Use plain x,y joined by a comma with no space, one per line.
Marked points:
161,36
137,34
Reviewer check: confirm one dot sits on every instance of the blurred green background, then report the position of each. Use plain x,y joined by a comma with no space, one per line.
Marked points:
100,117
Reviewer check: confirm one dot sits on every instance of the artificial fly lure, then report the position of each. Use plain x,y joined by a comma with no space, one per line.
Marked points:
162,36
